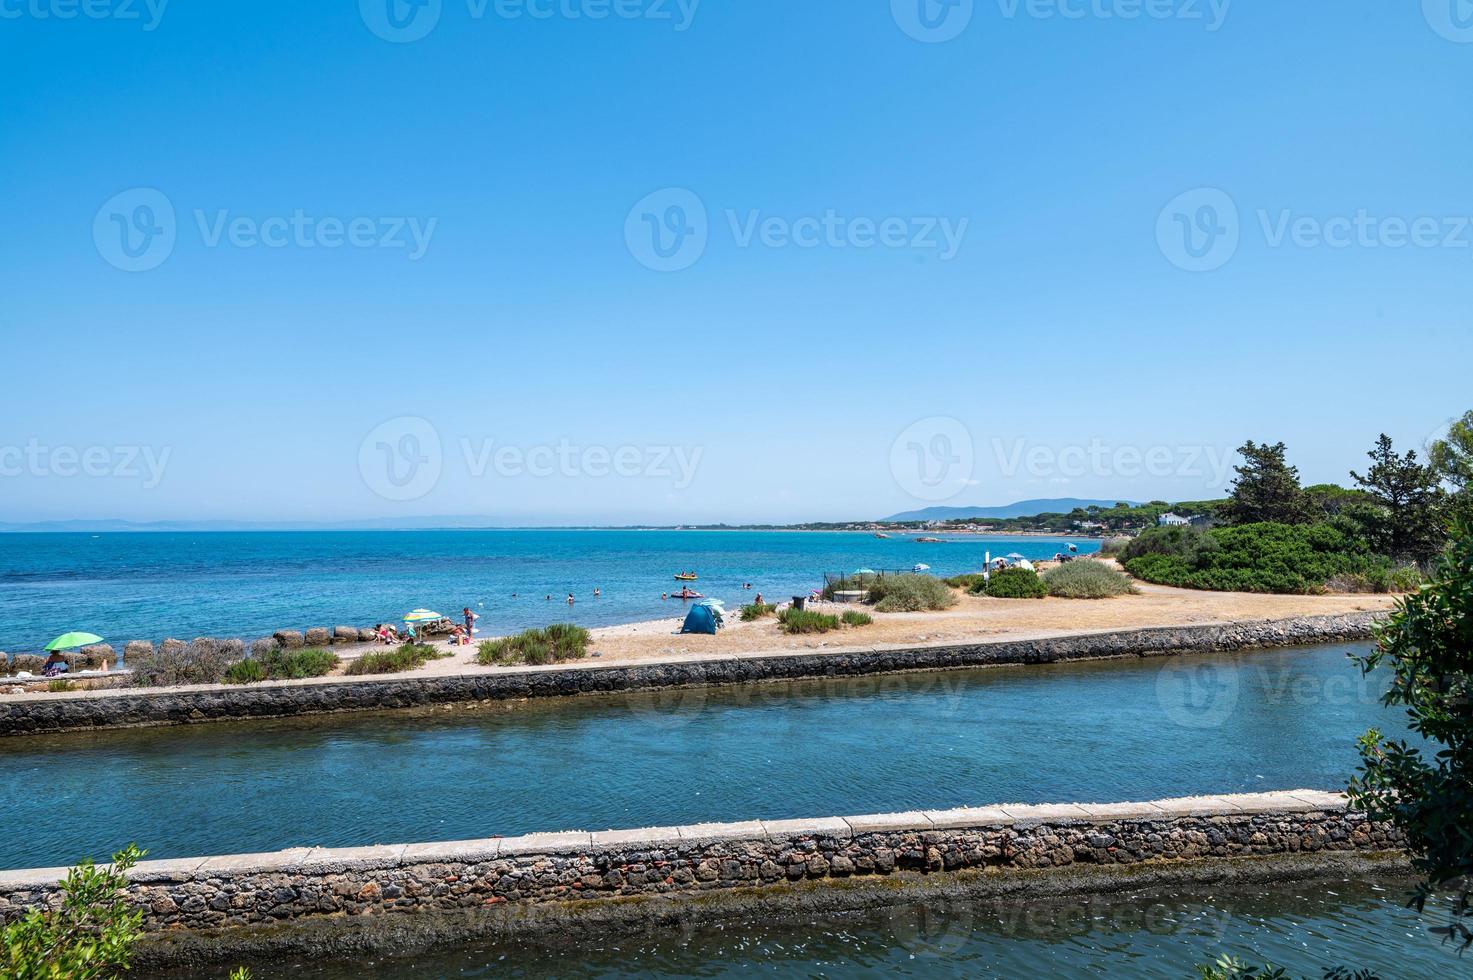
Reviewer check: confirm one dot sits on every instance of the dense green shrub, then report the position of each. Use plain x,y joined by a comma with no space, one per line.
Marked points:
245,672
967,583
910,593
1086,579
1181,542
1015,583
1113,546
1287,558
853,617
551,644
757,610
291,665
806,621
409,656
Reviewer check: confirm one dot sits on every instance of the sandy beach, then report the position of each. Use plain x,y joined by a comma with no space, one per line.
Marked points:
973,618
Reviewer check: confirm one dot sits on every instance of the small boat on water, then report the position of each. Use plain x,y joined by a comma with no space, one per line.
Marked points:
881,534
686,577
686,594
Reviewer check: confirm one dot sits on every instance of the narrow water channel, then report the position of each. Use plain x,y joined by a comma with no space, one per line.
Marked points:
1093,732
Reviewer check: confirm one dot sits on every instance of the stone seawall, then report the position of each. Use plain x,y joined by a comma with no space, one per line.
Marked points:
252,897
139,707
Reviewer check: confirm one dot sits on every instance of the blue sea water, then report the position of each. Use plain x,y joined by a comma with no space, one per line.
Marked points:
146,586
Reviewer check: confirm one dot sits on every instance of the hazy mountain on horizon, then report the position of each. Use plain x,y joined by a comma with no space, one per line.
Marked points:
1021,508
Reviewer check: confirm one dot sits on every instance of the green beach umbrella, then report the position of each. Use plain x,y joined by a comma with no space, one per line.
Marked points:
422,615
69,641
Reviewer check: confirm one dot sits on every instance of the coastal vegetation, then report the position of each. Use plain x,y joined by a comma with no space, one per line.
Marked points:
292,665
409,656
806,621
1275,536
1086,579
853,617
174,662
276,664
757,610
909,593
1012,583
248,671
1427,790
90,935
552,644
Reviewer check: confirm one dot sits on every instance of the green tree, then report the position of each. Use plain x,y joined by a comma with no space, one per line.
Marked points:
1452,459
89,937
1427,643
1409,501
1267,488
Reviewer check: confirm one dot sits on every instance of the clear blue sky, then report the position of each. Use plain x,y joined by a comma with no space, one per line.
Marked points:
253,374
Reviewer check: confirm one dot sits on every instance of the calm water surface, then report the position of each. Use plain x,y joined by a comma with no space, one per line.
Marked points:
1305,929
1097,732
151,585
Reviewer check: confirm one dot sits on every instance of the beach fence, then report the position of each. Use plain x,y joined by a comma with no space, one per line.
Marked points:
852,586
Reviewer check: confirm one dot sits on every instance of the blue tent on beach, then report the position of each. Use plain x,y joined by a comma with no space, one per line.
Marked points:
705,617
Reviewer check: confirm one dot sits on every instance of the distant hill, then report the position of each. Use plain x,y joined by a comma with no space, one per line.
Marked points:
1023,508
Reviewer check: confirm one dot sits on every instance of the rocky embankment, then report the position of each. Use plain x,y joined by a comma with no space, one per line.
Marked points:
260,900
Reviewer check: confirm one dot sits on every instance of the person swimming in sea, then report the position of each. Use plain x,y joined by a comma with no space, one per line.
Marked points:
571,600
596,592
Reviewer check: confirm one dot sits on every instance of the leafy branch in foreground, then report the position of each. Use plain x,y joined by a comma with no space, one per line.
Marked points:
89,937
1428,645
1229,968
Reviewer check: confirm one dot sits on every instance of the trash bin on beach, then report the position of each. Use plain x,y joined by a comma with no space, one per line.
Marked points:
799,602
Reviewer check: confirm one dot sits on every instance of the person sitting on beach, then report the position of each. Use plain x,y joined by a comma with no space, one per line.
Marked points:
759,599
457,636
55,665
408,636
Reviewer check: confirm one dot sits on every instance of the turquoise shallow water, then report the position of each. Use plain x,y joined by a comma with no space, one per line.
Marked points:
1088,732
151,585
1153,936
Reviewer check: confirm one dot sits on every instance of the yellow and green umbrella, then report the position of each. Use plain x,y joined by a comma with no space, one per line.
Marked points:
70,641
422,615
